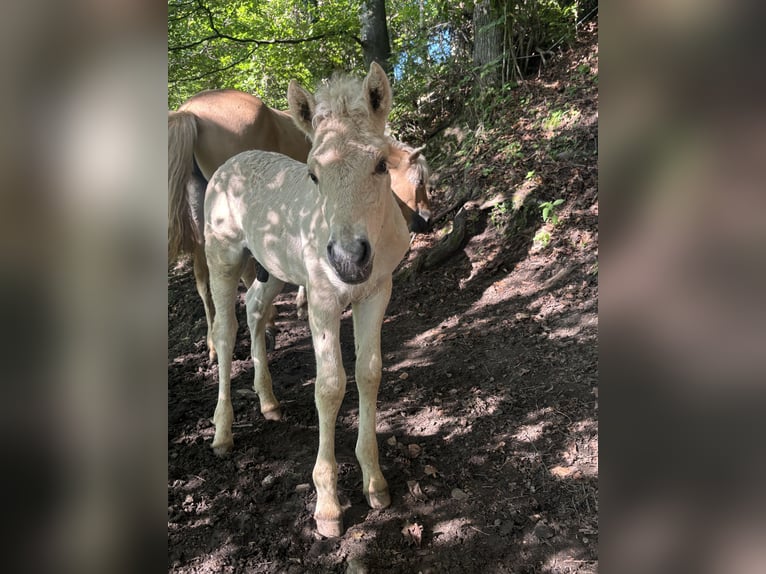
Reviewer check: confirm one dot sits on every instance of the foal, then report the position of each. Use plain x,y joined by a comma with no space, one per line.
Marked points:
332,225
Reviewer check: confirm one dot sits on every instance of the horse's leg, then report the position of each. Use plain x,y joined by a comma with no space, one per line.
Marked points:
259,299
224,279
301,303
329,389
248,276
368,320
202,279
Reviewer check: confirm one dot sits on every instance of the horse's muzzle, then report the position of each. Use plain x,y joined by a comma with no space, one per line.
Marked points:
352,261
421,221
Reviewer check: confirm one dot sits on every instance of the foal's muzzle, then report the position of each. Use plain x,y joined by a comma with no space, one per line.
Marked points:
352,261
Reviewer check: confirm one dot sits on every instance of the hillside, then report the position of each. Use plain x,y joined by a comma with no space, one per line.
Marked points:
488,409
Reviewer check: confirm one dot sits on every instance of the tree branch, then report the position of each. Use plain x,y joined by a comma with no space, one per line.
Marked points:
213,72
218,35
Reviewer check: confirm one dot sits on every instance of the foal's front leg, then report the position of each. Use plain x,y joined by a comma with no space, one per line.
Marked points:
328,394
368,320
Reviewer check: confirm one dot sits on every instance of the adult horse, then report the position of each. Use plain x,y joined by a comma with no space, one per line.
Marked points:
332,225
215,125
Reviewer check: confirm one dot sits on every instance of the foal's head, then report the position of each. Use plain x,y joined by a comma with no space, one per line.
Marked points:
349,164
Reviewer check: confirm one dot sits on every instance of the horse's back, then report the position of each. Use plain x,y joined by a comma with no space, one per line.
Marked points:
231,121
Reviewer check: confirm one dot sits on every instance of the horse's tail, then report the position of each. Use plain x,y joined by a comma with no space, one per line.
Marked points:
183,232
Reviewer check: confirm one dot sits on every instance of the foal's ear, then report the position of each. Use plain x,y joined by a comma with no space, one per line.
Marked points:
377,91
301,105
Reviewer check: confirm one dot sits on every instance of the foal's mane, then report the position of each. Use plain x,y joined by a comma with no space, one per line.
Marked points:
341,96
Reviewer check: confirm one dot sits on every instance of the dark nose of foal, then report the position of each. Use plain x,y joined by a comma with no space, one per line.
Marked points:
352,261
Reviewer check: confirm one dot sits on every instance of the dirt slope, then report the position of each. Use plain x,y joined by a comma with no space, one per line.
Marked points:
487,414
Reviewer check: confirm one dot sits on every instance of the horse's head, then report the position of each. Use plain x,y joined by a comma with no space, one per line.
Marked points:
348,162
409,180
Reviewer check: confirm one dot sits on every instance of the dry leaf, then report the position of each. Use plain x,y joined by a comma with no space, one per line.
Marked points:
413,532
403,376
391,441
413,450
430,470
415,490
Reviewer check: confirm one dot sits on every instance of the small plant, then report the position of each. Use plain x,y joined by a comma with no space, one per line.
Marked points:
499,215
554,120
512,151
543,237
548,209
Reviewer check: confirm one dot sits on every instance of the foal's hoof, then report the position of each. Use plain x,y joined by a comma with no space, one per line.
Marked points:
271,340
223,449
378,500
330,528
273,414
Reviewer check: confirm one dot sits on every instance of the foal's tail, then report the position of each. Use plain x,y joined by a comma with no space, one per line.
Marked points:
183,233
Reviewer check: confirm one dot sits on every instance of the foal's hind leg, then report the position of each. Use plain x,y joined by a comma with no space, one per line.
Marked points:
248,276
368,320
301,303
259,299
224,278
202,278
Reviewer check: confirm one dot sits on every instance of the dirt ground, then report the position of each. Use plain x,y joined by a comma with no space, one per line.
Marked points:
488,408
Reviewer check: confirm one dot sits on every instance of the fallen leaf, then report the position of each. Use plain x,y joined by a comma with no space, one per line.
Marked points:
403,376
415,490
391,441
413,532
430,470
413,450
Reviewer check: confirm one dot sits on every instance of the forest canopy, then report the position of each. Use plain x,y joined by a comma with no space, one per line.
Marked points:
433,46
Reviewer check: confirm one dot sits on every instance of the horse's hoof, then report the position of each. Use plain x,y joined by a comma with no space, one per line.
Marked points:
378,500
273,414
271,340
330,528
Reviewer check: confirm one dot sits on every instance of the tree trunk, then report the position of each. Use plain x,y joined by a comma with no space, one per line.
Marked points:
375,42
487,42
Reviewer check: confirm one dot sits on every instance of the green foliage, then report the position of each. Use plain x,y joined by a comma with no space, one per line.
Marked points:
548,209
258,46
549,215
499,215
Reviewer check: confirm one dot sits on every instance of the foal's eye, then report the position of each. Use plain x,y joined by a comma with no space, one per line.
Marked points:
313,177
382,167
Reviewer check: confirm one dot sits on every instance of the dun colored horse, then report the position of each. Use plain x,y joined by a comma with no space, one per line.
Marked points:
332,225
215,125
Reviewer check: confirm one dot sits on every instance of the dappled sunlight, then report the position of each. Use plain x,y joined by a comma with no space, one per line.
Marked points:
486,420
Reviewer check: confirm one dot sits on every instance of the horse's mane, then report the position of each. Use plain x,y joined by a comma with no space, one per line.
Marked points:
420,161
341,96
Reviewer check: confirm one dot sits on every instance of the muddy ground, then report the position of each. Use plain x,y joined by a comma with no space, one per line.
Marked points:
488,409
